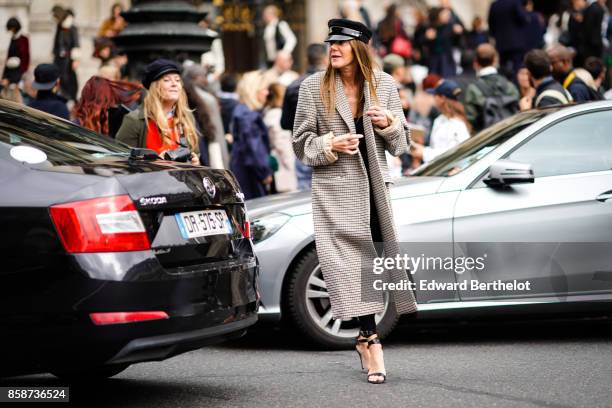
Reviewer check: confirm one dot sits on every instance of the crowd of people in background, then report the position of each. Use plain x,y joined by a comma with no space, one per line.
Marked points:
453,79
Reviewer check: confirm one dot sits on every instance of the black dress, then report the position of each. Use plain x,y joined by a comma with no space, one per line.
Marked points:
65,40
374,223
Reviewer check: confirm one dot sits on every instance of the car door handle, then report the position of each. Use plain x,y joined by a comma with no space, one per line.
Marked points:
603,197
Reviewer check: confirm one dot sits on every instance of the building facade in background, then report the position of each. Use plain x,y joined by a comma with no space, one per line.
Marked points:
242,25
37,22
239,20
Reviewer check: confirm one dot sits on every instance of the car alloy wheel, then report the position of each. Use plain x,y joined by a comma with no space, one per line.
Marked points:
319,308
307,303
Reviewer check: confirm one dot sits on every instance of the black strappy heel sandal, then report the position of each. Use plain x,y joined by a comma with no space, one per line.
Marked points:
360,339
371,337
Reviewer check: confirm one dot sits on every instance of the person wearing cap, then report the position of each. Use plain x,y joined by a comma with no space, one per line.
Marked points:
163,122
578,82
450,128
346,117
46,83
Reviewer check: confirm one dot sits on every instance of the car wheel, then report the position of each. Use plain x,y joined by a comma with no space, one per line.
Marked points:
90,373
309,307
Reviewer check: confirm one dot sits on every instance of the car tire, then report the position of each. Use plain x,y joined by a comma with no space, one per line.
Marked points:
90,373
301,309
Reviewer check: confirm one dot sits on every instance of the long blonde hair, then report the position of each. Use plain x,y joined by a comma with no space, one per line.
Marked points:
153,110
248,86
365,72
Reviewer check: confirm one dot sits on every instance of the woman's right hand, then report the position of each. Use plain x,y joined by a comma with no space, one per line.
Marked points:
347,143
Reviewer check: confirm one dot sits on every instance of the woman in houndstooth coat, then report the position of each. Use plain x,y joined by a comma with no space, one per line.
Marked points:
346,118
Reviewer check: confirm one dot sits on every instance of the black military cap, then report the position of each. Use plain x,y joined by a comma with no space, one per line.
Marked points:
341,29
157,69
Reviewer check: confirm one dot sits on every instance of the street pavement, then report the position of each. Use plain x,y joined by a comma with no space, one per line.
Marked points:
525,365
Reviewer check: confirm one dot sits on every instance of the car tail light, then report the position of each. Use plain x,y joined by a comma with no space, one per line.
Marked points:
246,230
109,224
101,319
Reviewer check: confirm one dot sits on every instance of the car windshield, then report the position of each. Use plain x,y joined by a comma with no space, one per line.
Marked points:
62,142
462,156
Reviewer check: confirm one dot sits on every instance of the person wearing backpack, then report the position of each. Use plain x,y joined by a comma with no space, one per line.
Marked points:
491,97
548,91
578,82
450,128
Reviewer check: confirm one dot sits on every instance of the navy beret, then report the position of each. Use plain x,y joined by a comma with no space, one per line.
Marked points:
341,29
447,88
157,69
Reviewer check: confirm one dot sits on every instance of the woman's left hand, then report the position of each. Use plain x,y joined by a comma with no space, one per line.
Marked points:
378,117
195,160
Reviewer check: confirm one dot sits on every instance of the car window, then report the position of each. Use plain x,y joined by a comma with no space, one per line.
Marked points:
580,144
63,143
469,152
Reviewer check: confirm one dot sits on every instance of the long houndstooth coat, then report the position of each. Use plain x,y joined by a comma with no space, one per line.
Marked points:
340,194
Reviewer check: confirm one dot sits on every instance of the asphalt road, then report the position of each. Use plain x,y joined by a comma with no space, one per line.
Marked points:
533,365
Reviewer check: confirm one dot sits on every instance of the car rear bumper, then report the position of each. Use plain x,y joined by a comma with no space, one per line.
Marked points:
156,348
51,327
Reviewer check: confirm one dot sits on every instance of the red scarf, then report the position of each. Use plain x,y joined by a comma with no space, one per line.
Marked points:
154,137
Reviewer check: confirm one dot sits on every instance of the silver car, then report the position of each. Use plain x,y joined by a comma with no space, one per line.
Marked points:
534,192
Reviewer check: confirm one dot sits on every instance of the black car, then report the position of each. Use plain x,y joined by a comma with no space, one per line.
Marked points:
111,257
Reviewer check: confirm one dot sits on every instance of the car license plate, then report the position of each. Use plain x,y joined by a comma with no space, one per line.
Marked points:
203,223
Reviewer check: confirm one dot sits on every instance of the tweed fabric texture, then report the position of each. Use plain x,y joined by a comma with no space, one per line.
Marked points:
340,194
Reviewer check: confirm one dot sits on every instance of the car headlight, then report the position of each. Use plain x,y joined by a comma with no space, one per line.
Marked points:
265,226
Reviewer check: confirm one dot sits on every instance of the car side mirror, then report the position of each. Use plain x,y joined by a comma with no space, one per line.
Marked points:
140,153
507,172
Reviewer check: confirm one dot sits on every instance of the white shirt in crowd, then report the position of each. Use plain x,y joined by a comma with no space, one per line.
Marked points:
486,71
270,38
215,58
445,133
287,78
282,149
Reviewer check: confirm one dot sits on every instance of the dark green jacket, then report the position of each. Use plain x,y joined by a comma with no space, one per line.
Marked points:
475,100
133,130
